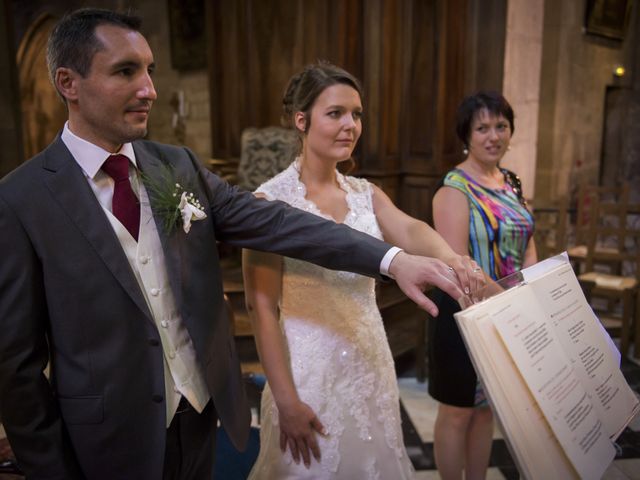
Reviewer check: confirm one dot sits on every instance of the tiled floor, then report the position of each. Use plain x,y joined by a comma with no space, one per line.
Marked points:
420,414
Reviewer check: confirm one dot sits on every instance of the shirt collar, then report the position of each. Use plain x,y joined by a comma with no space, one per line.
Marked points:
90,157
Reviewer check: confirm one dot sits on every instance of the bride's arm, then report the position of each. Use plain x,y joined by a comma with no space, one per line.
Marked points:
262,283
417,238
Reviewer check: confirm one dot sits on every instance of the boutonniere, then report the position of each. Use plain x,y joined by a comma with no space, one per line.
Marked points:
173,203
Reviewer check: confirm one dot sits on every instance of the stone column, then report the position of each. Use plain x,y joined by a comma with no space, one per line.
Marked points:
522,65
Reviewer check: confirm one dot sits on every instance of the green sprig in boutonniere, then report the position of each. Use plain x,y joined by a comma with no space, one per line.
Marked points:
173,203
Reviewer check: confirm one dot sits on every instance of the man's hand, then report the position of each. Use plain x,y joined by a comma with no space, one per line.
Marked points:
414,274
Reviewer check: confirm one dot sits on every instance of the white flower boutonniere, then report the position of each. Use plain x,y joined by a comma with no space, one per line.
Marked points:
190,210
172,202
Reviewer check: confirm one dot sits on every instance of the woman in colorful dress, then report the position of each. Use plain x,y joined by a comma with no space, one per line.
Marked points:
479,209
332,397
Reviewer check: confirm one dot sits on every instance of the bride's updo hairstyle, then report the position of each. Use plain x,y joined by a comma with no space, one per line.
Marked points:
305,87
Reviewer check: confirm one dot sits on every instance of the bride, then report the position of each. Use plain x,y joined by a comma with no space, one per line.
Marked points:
332,397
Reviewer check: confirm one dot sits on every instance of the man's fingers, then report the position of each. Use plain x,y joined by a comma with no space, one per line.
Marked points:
422,301
449,285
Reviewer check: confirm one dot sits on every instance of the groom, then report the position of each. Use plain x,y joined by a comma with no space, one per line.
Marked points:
125,306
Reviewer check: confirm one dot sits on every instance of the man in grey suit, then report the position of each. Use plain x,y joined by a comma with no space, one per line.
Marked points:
128,310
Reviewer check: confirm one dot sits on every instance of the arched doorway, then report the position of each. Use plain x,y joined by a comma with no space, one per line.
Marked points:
43,114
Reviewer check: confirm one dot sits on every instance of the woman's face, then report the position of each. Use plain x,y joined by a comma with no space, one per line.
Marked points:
490,136
336,123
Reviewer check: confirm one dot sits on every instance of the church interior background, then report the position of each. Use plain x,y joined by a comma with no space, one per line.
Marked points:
570,69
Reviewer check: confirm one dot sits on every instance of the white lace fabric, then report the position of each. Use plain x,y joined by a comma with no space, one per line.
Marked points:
340,358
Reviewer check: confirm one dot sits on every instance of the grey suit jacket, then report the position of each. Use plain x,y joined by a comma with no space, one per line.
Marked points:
68,295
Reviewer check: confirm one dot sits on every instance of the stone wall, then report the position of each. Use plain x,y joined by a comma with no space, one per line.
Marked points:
576,69
193,129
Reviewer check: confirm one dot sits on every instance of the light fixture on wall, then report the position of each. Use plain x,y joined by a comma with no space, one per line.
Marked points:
618,71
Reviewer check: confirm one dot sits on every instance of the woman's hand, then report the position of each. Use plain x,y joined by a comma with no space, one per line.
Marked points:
469,274
298,427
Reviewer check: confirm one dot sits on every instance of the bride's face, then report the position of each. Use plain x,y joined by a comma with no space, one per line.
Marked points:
336,123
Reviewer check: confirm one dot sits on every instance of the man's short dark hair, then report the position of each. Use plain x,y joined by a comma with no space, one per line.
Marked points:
73,43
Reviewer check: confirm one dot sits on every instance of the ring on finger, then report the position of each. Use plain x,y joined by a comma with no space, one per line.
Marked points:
450,269
476,269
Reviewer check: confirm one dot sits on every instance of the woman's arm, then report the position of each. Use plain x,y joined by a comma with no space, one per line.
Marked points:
263,284
418,238
451,218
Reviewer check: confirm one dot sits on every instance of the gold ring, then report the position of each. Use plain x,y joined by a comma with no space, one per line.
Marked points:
477,269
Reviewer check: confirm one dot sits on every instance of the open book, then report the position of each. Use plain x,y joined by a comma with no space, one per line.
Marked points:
550,371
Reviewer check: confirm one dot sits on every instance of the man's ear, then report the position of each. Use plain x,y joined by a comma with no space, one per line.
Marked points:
65,81
300,120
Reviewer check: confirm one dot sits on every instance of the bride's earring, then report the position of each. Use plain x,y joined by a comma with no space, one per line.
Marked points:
465,151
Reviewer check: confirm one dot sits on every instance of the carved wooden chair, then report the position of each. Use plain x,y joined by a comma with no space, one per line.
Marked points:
594,201
612,268
551,228
265,152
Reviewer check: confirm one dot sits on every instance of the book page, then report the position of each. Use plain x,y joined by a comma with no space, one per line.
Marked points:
532,273
528,434
582,339
530,339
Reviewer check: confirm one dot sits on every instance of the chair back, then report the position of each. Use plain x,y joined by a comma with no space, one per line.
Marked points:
591,200
613,234
264,153
550,232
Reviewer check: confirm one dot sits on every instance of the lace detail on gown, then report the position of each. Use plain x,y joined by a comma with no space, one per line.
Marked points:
340,358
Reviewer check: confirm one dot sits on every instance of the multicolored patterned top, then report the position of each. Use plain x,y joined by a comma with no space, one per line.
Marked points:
500,226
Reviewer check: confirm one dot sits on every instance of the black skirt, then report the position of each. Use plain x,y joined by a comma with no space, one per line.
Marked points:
452,378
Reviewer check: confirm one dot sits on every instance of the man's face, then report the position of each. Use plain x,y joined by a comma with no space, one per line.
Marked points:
111,105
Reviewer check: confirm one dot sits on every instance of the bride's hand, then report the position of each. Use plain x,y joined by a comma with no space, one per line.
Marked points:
298,424
469,274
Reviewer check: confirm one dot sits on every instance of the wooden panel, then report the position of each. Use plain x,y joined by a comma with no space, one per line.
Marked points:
451,79
421,88
399,78
412,57
255,47
417,196
372,84
486,34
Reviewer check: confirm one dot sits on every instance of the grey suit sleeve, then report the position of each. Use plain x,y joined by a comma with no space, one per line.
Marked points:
28,409
246,221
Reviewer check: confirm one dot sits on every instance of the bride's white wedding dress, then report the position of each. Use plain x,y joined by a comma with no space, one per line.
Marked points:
339,356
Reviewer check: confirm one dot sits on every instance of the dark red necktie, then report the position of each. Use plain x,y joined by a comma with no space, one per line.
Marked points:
125,205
